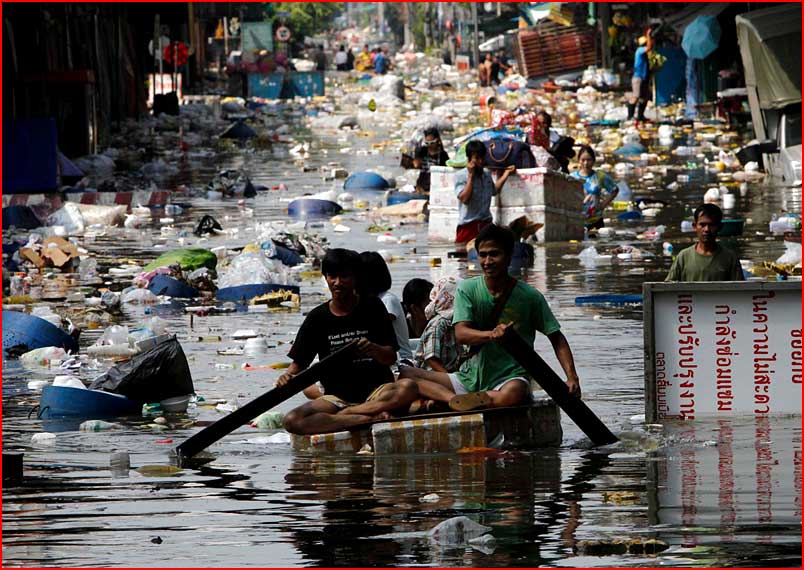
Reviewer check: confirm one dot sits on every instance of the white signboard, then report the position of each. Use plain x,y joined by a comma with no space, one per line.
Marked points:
722,349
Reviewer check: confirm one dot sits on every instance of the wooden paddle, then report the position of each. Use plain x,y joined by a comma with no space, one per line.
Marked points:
268,400
541,372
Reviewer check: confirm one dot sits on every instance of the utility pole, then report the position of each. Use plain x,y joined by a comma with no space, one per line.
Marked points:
381,18
604,21
406,16
476,44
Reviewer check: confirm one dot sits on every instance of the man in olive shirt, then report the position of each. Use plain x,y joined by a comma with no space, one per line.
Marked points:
706,260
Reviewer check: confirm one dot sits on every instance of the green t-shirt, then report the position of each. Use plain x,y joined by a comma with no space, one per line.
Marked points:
690,265
526,308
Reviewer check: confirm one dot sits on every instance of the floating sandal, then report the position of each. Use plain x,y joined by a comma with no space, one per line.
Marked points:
470,401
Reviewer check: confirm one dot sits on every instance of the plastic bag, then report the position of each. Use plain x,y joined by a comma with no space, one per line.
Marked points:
42,356
250,268
94,214
69,217
792,254
152,376
189,258
140,296
115,334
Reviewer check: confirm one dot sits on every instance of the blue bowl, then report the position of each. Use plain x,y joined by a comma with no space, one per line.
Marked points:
21,328
167,285
244,293
365,181
66,402
311,207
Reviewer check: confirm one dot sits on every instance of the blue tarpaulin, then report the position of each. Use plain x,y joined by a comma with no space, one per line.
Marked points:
30,157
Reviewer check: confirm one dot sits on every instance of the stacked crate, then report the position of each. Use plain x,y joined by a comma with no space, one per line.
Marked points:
544,195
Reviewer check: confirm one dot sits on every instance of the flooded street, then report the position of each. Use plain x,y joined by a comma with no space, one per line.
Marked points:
718,493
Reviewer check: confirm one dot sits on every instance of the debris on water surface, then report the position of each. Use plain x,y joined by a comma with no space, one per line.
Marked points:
457,531
430,498
43,439
620,546
158,470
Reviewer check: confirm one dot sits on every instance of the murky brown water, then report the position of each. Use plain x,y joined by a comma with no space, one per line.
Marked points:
719,493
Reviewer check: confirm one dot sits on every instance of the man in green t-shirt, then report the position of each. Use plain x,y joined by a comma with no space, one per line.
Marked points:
706,260
491,377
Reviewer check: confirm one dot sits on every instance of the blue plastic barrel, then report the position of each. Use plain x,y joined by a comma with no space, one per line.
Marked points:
66,402
311,207
609,299
365,181
167,285
244,293
21,328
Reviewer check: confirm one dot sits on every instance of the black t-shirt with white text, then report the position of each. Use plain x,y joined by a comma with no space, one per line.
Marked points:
322,333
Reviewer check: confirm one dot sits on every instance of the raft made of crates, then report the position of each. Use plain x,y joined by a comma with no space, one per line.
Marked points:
532,426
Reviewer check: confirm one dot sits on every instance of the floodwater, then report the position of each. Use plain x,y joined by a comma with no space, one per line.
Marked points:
717,492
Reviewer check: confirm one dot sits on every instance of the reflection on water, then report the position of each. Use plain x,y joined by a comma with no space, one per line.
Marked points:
718,493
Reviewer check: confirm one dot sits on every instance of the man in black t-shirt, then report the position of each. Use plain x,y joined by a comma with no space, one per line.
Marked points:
364,389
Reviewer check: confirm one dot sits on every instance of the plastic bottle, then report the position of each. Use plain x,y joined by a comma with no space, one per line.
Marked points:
173,210
667,248
15,286
686,226
120,463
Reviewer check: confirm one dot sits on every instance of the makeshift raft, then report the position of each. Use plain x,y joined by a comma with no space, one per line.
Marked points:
522,427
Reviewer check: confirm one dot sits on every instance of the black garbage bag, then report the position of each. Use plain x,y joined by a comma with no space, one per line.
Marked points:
238,130
562,151
152,376
206,225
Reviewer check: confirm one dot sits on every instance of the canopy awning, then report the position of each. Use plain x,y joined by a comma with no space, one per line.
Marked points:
683,18
770,46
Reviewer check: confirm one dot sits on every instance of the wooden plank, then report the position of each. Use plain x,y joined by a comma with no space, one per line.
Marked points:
575,408
227,424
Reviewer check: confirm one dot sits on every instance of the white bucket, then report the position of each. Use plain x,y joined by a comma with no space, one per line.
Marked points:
255,346
729,201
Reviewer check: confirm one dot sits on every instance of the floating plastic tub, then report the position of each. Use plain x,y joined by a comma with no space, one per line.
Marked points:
244,293
167,285
35,332
66,402
365,181
307,207
609,299
177,404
